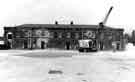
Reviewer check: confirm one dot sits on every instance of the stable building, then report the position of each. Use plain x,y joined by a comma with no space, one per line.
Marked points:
61,36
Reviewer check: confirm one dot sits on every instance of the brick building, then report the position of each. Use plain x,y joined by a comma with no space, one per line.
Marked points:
41,36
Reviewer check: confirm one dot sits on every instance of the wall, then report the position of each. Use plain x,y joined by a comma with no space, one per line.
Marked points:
44,37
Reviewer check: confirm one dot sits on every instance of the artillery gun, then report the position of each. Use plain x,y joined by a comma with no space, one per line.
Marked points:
86,45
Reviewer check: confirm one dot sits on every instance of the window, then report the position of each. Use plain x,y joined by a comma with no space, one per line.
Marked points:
68,35
9,36
73,35
89,34
60,35
55,35
38,33
51,34
76,35
46,33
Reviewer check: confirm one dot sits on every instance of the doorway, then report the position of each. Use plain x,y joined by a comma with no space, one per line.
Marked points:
42,45
9,46
118,46
68,45
25,44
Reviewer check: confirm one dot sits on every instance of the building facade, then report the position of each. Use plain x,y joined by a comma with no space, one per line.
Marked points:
42,36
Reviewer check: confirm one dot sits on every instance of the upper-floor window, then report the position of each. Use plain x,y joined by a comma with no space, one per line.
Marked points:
55,34
28,33
51,34
68,35
89,34
9,35
38,32
46,33
60,35
76,35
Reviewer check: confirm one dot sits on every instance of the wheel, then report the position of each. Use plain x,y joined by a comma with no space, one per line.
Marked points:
80,50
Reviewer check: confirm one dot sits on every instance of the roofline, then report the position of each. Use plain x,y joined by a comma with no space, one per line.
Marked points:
23,26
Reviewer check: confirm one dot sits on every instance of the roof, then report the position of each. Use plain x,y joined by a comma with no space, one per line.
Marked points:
58,26
62,26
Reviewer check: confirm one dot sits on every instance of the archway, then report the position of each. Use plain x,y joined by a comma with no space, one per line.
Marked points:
42,43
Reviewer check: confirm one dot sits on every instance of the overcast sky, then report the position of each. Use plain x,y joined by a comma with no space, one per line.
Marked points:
16,12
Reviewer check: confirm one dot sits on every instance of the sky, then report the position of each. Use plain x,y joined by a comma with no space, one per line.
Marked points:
17,12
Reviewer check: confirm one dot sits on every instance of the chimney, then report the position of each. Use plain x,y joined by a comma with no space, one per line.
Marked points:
56,22
71,23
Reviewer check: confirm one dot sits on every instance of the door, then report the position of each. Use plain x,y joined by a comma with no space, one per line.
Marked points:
42,45
25,44
67,45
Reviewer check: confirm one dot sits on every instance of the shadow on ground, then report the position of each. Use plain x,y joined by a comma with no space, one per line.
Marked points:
46,54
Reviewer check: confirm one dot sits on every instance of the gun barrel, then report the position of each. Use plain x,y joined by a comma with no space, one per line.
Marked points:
107,16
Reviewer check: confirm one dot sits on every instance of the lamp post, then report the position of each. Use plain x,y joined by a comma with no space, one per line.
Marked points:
31,38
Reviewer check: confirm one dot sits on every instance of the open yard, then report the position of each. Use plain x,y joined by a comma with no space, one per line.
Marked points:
66,66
